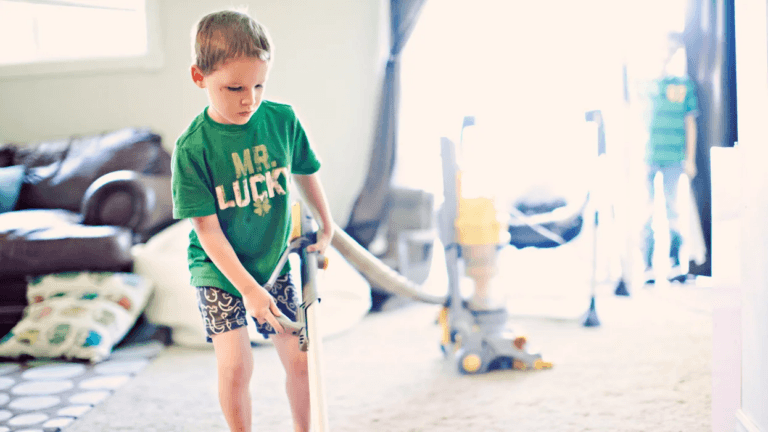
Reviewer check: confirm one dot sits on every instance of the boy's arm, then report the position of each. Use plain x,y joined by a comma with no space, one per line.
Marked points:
258,302
690,146
313,192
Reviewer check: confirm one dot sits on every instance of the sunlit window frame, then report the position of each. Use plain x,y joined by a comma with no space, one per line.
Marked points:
152,60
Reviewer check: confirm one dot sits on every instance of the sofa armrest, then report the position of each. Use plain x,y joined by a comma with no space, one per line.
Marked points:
118,198
160,214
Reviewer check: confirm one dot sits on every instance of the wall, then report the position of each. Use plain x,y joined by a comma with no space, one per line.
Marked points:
752,78
329,61
727,230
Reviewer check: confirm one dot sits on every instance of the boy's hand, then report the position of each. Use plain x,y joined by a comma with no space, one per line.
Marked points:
261,305
323,240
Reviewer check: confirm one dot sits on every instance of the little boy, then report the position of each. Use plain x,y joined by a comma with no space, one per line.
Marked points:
671,107
230,177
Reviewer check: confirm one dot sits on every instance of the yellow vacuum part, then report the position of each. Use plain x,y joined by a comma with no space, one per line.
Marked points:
477,222
295,221
471,363
443,320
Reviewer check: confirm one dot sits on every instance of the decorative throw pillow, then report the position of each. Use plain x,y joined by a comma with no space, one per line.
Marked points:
11,179
77,315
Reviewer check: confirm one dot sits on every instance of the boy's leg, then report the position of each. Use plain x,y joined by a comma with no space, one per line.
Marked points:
671,181
234,360
297,378
225,324
293,359
647,234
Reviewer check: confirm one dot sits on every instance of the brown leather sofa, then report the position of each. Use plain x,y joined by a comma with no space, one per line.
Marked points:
84,202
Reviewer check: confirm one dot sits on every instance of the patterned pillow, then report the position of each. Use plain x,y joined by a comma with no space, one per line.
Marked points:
77,315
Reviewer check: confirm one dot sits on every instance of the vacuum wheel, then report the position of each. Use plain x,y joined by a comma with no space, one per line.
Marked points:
472,362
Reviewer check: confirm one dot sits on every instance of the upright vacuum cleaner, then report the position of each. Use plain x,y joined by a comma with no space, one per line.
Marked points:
306,325
475,331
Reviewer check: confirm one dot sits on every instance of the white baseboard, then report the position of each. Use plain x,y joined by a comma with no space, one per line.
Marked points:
744,424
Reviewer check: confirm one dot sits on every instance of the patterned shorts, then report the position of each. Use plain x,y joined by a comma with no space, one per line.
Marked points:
223,312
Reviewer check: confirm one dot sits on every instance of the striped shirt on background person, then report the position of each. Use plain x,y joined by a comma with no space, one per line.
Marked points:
670,100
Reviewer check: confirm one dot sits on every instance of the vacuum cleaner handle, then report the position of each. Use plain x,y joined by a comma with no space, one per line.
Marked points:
291,327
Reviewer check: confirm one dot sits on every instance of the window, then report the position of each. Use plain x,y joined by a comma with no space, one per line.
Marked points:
532,68
39,36
519,65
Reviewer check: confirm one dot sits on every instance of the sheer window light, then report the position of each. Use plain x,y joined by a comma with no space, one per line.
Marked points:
38,32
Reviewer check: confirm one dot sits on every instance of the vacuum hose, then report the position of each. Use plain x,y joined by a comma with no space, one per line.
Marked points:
377,272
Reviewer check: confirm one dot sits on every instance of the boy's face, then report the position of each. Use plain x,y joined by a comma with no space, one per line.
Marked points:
235,89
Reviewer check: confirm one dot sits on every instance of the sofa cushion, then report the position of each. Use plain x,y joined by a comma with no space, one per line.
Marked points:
59,172
41,241
10,185
77,315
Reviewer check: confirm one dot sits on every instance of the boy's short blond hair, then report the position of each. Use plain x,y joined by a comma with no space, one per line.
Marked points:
229,34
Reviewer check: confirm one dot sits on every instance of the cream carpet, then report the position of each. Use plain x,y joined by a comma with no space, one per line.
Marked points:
646,368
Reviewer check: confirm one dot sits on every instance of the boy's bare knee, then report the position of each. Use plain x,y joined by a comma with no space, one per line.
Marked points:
234,359
237,369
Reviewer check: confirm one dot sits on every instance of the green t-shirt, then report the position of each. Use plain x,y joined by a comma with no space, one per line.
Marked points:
241,174
670,100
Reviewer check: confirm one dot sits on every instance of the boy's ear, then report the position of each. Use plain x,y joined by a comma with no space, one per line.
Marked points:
197,76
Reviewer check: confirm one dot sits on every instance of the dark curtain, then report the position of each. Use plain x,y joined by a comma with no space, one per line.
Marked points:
371,205
709,39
